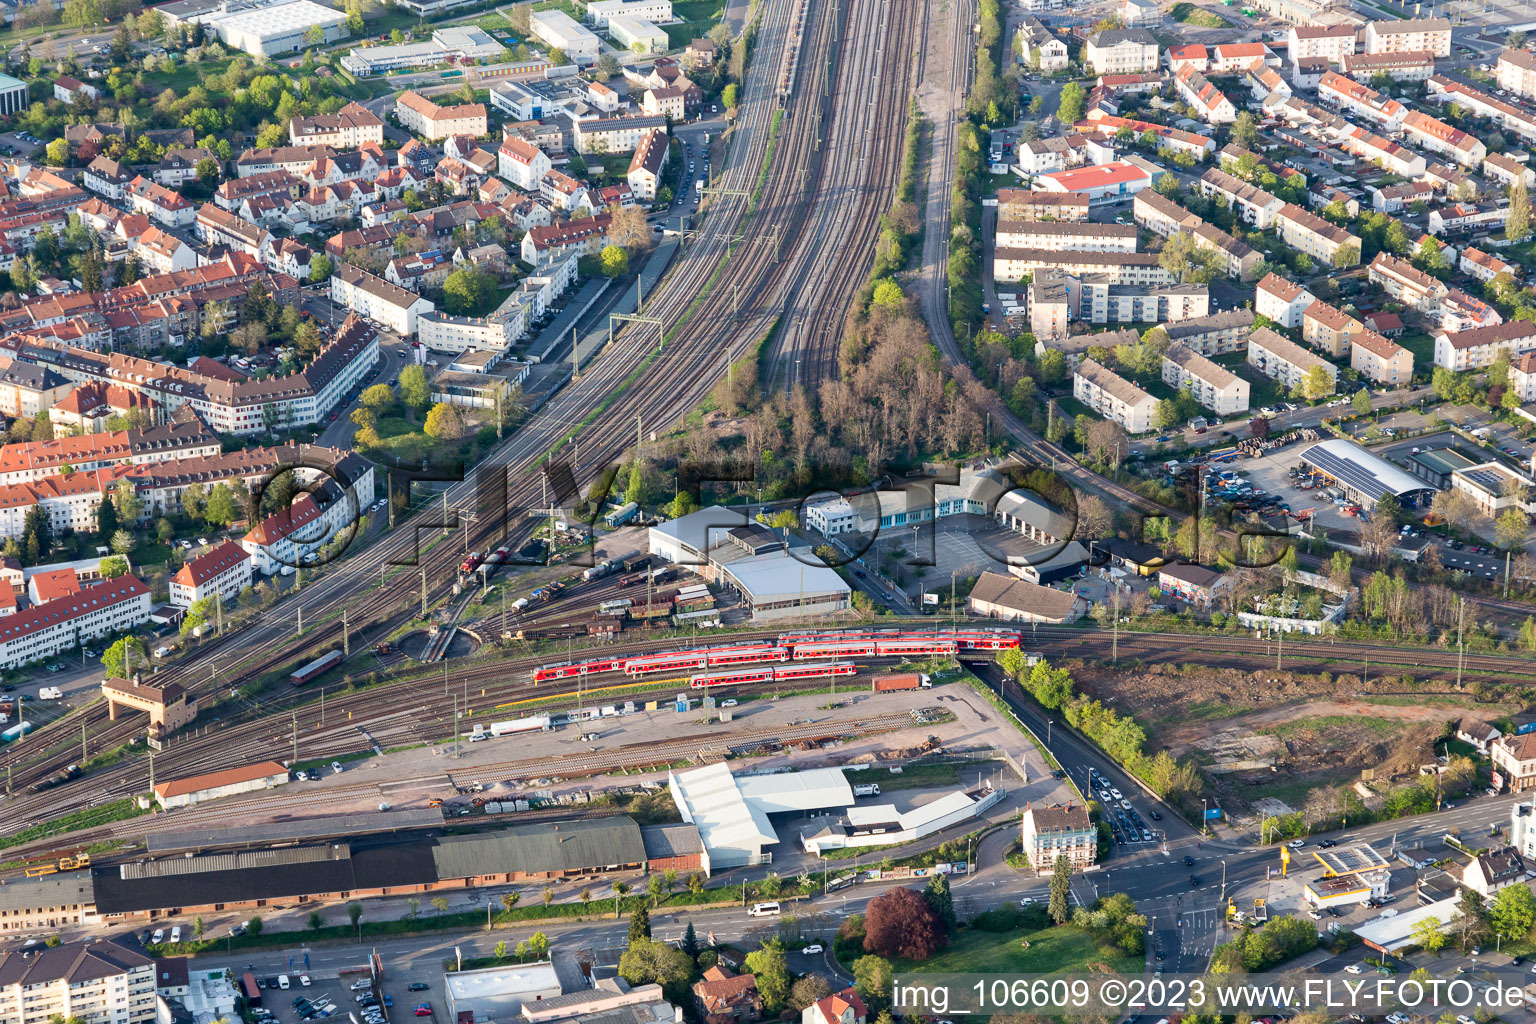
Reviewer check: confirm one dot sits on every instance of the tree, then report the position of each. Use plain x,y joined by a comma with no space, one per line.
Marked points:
315,922
127,501
378,396
222,509
253,926
106,518
119,659
614,261
355,915
1346,255
1454,506
415,388
1316,384
1073,102
873,977
940,899
123,541
1511,529
647,961
1518,226
1513,912
809,989
728,96
691,941
901,923
639,924
1390,510
469,292
1244,131
57,152
770,966
112,567
1060,907
888,293
444,423
1360,402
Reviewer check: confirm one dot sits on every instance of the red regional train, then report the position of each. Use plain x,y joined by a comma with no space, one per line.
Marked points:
776,673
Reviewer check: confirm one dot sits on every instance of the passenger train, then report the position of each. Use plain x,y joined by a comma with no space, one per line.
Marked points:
790,648
774,674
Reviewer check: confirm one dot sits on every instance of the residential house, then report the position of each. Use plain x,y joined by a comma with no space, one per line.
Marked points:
1051,831
1253,205
1409,66
1406,283
1283,360
1506,170
1493,870
1380,359
843,1007
1357,98
350,127
433,122
645,166
376,299
722,997
1476,349
1438,137
1328,330
1477,733
1121,51
221,572
1039,47
1208,101
1113,397
1516,72
1318,238
1282,301
67,90
1213,386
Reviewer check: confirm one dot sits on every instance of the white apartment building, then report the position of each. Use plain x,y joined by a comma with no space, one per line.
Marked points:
1281,359
1517,72
1406,283
1282,301
1113,397
1412,35
614,134
1121,51
522,163
433,122
831,518
1060,236
1253,205
646,164
112,606
1214,387
374,298
1321,239
1479,347
104,982
1389,155
292,536
1331,42
441,332
1522,377
1040,47
1438,137
1357,98
600,12
1137,268
348,128
222,572
1399,67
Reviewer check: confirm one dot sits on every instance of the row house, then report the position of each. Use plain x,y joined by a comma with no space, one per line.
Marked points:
1409,66
351,126
1067,236
1207,100
568,236
1192,56
1406,283
1216,334
1516,72
1328,329
1410,35
1516,119
1214,387
1318,238
1462,312
292,159
1281,359
220,227
365,164
1505,170
522,163
1438,137
1380,359
1331,42
1132,268
1457,217
1399,197
1452,181
1264,81
1027,204
1484,266
1479,348
1230,57
1176,139
1390,156
1282,301
230,194
1113,397
378,239
164,206
1358,98
1252,204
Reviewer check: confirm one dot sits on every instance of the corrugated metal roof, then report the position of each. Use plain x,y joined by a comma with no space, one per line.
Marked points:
240,860
61,890
565,846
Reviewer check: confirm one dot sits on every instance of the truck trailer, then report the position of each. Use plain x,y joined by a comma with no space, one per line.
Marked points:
901,681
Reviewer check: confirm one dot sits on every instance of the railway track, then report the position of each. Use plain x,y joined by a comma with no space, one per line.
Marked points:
377,592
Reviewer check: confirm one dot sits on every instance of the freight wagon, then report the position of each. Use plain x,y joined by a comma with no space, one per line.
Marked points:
533,723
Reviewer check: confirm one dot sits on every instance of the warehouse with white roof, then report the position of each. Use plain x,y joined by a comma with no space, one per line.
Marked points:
560,31
731,813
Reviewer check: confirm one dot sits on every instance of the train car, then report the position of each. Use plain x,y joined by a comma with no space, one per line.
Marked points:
621,515
906,648
471,563
570,669
597,572
633,578
750,675
618,604
674,661
314,669
834,649
637,562
58,778
828,670
745,655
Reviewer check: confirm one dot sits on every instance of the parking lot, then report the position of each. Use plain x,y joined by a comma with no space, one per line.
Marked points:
1270,476
1126,825
349,998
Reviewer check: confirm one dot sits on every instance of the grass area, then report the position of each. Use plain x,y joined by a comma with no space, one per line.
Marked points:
1423,348
1383,727
579,13
1189,14
1065,950
493,22
117,810
698,10
184,76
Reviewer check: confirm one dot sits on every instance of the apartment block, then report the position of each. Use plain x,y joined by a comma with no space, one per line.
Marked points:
1517,72
1121,51
1160,215
1484,266
1507,115
1475,349
1214,387
1095,300
1253,205
1413,35
1022,204
1321,239
1282,301
1113,397
1283,360
1331,42
1049,832
105,982
1208,100
1506,170
432,122
1357,98
1385,153
1328,330
1380,359
1215,334
1406,283
1059,237
1139,268
1438,137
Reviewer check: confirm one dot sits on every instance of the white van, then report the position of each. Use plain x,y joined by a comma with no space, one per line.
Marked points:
283,982
765,910
176,934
